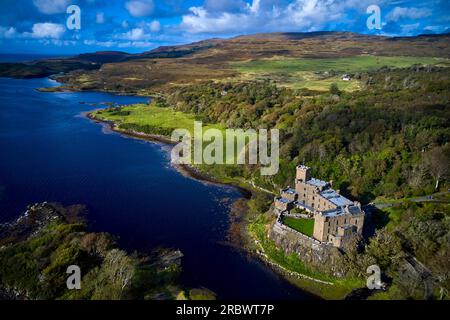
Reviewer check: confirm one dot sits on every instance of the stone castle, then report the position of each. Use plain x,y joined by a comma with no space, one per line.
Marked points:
336,218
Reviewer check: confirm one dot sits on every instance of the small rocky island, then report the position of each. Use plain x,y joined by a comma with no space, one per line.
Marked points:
37,249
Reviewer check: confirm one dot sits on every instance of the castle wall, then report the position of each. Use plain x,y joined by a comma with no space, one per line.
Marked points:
309,195
326,226
324,258
320,228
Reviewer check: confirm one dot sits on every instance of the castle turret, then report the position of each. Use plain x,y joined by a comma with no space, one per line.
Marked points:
303,173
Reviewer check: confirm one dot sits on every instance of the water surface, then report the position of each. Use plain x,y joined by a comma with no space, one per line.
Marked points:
50,152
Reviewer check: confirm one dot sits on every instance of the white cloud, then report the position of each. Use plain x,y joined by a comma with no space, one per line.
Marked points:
269,15
133,34
155,26
57,42
100,18
142,31
42,31
140,8
433,28
107,44
52,6
200,21
7,33
119,44
408,28
46,30
135,44
407,13
125,24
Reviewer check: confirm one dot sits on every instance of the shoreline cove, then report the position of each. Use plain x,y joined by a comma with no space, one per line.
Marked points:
186,170
128,191
191,172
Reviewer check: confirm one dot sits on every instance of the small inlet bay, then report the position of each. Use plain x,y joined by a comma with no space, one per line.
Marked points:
51,152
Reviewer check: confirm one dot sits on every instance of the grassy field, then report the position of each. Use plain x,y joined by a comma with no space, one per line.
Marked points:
312,73
305,226
148,115
344,65
154,120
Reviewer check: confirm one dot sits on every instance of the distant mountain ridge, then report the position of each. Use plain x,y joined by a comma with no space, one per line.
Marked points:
215,54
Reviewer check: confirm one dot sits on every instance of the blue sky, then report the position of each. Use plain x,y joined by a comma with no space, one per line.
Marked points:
39,26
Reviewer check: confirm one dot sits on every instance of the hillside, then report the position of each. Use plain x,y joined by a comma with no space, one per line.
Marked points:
216,59
213,59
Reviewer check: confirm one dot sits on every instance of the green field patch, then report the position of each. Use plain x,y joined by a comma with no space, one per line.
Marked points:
319,74
152,120
305,226
143,115
345,65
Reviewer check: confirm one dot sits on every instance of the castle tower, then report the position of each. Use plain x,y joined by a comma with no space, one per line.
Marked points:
303,173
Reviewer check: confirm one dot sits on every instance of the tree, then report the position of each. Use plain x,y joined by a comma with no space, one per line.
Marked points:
121,267
334,89
386,248
437,161
115,276
96,243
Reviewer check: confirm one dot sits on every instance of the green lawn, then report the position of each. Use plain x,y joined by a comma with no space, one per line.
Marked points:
149,115
305,226
150,119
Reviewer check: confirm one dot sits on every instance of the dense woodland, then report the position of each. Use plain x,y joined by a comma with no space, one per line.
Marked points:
416,230
390,138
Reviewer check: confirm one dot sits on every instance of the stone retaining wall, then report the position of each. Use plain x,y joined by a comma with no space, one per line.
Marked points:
319,256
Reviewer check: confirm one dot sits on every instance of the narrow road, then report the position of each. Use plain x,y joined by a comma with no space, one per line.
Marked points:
430,198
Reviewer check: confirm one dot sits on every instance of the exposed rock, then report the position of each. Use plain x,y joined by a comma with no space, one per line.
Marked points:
323,258
165,258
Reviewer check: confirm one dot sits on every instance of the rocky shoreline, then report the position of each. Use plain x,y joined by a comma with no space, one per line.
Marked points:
194,173
186,170
42,221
